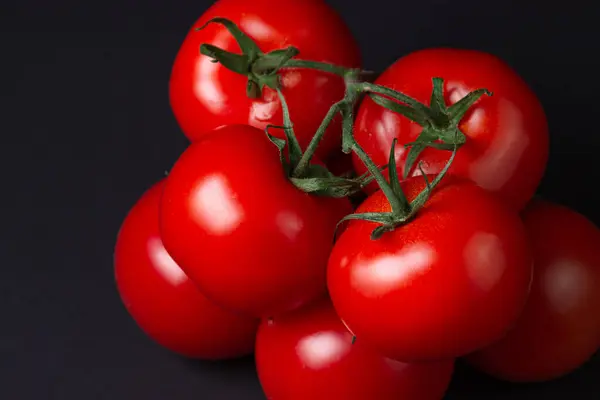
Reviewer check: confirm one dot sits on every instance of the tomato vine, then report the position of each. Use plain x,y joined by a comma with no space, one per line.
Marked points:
440,127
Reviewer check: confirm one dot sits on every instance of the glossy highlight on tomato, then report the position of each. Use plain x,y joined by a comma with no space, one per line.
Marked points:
452,280
205,95
251,240
560,326
162,300
507,141
308,354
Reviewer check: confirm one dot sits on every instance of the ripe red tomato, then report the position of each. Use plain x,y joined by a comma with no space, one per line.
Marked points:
250,239
163,301
506,147
560,327
205,95
453,280
308,354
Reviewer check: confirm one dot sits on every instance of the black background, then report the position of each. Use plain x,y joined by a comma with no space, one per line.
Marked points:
86,128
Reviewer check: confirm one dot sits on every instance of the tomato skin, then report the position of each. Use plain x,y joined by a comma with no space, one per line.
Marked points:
250,240
560,326
162,300
205,95
308,354
507,134
451,281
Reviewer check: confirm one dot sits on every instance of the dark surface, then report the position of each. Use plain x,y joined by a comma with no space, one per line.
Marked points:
86,128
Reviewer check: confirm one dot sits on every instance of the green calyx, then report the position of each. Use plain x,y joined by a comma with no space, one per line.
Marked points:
440,122
260,68
402,210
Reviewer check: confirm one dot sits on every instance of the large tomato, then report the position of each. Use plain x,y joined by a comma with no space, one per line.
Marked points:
451,281
560,327
205,95
506,147
163,301
250,239
308,354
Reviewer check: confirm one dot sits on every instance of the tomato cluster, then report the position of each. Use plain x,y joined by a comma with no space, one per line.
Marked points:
364,277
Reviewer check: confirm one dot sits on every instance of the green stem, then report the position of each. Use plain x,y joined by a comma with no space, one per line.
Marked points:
304,162
321,66
398,202
401,97
293,145
400,205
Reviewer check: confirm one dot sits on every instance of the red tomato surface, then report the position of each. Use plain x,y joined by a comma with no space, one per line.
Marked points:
560,327
308,354
205,95
163,301
251,241
507,134
451,281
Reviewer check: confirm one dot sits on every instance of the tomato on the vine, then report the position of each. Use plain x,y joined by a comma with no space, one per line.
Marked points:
309,354
205,95
249,238
450,281
560,326
506,146
165,304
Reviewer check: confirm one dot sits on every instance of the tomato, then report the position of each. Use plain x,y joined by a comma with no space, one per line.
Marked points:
451,281
506,147
560,327
205,95
308,354
250,239
161,298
